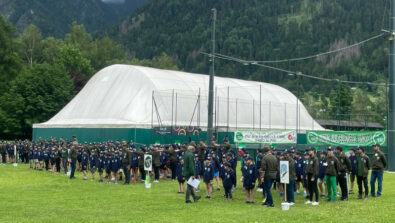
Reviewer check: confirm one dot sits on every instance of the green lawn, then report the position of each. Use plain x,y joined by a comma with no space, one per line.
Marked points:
32,196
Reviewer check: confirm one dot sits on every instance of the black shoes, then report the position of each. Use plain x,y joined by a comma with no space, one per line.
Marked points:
188,202
197,198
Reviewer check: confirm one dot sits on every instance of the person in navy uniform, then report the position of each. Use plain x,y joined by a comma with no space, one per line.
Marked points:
180,177
134,166
353,160
40,157
227,181
208,176
114,167
258,164
102,165
231,161
198,170
216,165
299,162
304,176
321,174
79,158
52,158
84,162
93,163
46,158
31,157
164,158
250,174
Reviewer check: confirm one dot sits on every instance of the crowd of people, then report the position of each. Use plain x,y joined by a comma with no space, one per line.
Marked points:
318,176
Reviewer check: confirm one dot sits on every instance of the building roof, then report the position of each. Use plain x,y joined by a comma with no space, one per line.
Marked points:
121,96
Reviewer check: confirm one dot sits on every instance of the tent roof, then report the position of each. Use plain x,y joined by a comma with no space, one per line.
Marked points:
122,96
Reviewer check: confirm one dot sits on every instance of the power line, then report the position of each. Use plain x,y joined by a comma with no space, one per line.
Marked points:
245,62
311,56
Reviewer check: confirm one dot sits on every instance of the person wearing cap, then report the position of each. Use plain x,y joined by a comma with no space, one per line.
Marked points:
126,162
180,177
140,155
249,176
156,162
227,180
378,164
208,176
268,174
363,166
258,164
321,174
312,171
299,162
279,185
292,178
134,166
353,161
65,157
216,166
164,158
73,158
58,159
198,170
331,172
345,168
101,165
84,162
172,155
201,154
305,182
188,172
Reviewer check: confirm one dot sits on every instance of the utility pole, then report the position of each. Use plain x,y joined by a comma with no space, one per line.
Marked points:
211,83
391,96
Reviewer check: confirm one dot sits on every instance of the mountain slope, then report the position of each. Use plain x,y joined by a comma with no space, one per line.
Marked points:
54,17
261,30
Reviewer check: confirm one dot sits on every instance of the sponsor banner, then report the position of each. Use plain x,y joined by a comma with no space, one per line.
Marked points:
347,138
186,131
284,172
266,136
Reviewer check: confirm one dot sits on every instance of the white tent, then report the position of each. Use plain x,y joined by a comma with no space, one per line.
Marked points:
126,96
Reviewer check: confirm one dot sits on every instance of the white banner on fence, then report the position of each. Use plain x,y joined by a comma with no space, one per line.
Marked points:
266,136
148,162
284,172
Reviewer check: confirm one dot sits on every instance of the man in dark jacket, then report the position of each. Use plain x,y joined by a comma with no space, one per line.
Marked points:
189,172
363,166
269,169
345,168
312,171
378,164
126,162
73,158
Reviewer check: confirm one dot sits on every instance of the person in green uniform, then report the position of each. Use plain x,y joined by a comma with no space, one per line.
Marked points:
188,172
312,172
344,169
73,159
378,164
268,173
331,172
173,161
65,158
363,166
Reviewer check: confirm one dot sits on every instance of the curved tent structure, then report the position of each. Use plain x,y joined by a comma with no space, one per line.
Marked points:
126,96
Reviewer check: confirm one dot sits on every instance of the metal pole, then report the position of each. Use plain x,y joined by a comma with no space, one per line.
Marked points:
211,83
198,121
172,108
175,122
270,115
236,112
253,114
152,111
391,96
260,107
227,125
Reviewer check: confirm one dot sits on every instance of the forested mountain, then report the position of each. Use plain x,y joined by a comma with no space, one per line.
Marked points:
273,30
54,17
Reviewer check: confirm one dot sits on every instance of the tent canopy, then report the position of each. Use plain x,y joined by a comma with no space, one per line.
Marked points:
126,96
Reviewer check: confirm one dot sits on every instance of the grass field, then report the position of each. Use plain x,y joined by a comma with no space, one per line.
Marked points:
33,196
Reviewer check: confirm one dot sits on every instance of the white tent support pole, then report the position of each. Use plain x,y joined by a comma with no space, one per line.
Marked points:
270,115
175,122
260,107
227,118
236,111
152,111
285,115
172,108
198,117
253,114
